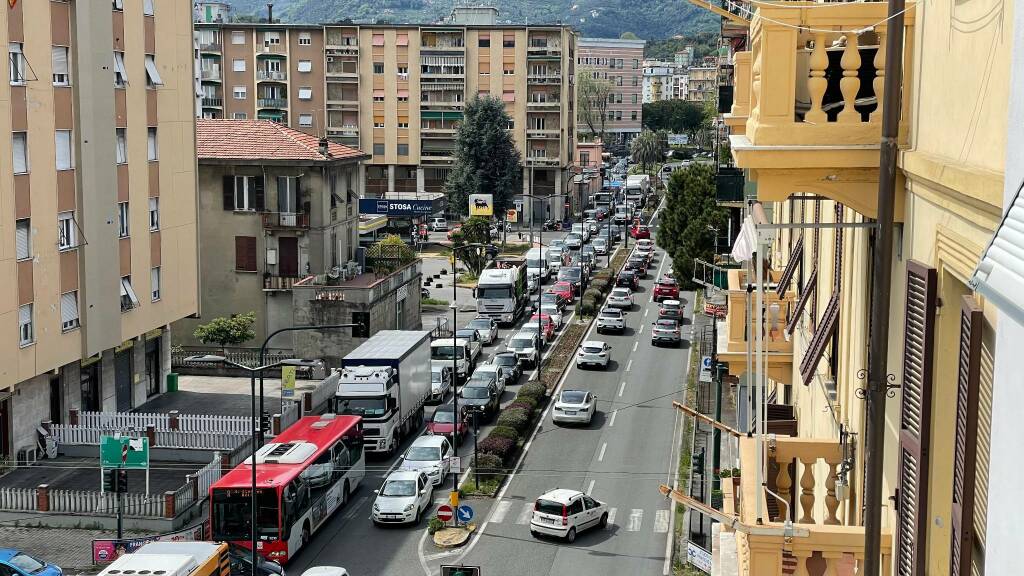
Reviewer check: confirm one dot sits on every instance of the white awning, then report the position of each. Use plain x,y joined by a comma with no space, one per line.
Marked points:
1000,274
154,76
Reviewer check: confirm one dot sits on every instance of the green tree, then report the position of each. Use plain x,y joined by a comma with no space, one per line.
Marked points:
646,149
675,116
592,94
486,158
388,254
227,330
476,230
628,36
688,219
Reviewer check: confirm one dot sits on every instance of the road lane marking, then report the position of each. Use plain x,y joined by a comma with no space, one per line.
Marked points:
611,517
354,508
611,422
661,521
600,457
500,511
590,488
635,344
622,389
640,330
646,311
629,365
440,555
636,518
525,513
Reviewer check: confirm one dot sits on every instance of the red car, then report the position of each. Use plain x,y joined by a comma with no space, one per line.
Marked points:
441,422
564,291
666,289
640,232
547,325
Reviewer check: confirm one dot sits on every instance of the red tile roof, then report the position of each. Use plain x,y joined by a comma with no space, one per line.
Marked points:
261,140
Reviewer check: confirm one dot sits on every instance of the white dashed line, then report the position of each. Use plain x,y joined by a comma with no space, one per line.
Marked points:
600,457
646,312
629,365
661,521
622,389
500,511
611,516
524,515
612,421
636,518
590,488
640,330
635,344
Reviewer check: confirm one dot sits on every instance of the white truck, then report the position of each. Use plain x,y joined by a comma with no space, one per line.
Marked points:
637,187
386,380
537,264
501,290
453,351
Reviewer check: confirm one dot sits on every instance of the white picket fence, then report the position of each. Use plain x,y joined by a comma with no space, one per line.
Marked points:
105,503
18,499
291,414
161,421
197,485
198,440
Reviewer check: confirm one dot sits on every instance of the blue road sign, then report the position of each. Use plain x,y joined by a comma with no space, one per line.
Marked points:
706,362
465,513
396,207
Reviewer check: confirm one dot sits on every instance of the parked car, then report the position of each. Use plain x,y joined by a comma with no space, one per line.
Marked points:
440,382
564,291
439,225
481,393
442,422
666,289
593,353
17,563
508,361
627,278
611,320
431,454
671,309
526,345
564,513
665,330
403,498
621,298
486,327
640,231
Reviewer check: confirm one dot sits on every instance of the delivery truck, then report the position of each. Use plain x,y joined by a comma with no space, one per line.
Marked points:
386,380
501,290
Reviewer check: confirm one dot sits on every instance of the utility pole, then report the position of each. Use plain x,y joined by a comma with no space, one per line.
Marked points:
878,338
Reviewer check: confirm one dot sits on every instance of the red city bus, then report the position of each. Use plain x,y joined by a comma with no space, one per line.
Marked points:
302,477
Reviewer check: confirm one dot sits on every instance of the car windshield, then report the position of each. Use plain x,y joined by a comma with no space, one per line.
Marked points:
573,236
667,284
549,308
443,416
423,454
549,298
669,324
548,507
563,286
475,392
446,352
505,360
520,343
435,376
620,293
573,396
492,292
399,488
364,406
467,334
26,563
572,274
627,274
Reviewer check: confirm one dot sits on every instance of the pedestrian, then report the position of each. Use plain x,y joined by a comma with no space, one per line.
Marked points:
520,235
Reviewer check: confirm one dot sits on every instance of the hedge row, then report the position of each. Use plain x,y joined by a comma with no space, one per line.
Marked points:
501,446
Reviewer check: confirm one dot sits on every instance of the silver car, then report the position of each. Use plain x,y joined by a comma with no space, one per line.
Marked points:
600,245
525,345
573,241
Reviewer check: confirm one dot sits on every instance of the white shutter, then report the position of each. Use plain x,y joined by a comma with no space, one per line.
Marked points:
1000,274
152,144
19,142
25,314
119,70
305,66
238,65
151,72
62,141
69,309
121,145
23,239
154,282
118,4
147,7
127,290
59,60
305,93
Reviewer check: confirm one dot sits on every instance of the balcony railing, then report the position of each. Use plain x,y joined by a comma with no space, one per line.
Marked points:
543,133
210,74
552,78
733,332
543,161
272,103
212,102
273,283
272,75
828,543
285,220
729,185
210,47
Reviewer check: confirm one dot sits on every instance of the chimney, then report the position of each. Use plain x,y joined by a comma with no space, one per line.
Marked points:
270,13
324,148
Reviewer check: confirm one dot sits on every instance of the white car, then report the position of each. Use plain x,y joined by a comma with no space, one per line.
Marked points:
325,571
645,244
593,353
440,381
487,327
574,407
565,513
573,241
621,298
430,454
439,225
553,311
582,230
611,320
600,245
502,375
403,498
534,329
525,345
591,225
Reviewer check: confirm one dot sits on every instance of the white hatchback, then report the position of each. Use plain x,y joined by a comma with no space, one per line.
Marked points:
403,498
621,298
430,454
574,407
593,353
565,513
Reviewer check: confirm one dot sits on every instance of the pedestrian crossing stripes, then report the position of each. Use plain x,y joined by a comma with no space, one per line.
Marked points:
611,517
661,521
634,522
500,511
636,518
524,515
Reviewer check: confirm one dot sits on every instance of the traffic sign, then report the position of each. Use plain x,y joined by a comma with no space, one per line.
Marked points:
705,369
444,513
124,452
705,362
288,380
465,513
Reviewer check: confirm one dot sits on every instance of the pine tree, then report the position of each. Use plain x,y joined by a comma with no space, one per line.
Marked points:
486,158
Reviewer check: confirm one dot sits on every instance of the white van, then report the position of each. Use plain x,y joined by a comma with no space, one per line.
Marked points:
537,264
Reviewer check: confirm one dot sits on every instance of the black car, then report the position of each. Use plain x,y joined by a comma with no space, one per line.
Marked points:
638,268
628,279
240,563
573,275
508,360
481,394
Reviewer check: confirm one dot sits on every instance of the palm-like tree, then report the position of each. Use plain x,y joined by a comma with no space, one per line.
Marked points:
646,149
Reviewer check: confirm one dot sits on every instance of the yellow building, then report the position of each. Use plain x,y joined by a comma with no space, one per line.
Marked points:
99,212
805,126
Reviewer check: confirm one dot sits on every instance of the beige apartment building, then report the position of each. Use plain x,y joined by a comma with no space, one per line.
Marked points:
99,226
397,91
619,62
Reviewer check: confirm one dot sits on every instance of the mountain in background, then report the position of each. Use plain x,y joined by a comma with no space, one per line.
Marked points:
649,19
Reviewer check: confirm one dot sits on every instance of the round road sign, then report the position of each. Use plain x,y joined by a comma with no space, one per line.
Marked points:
465,513
444,513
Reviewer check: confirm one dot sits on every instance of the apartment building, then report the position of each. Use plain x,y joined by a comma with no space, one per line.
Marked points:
619,62
100,230
702,83
658,81
397,91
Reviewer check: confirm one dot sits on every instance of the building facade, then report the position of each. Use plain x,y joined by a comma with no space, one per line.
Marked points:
276,205
101,243
701,83
619,62
658,81
397,91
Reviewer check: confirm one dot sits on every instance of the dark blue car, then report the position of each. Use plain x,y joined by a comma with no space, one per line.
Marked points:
17,563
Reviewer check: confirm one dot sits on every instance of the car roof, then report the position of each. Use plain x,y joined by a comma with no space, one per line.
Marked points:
523,334
560,495
428,441
593,343
8,553
403,475
671,302
620,289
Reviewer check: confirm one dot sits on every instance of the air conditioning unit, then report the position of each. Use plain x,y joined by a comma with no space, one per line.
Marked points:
288,219
26,456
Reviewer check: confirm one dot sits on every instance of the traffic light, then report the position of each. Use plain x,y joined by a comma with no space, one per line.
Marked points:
109,480
121,485
460,571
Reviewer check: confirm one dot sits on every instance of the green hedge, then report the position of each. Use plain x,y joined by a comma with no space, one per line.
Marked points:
489,465
600,284
503,448
504,432
588,306
516,419
530,402
534,390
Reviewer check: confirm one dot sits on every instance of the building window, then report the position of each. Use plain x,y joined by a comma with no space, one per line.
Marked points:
122,220
403,125
129,301
403,149
69,310
484,41
378,97
403,71
305,39
238,65
61,70
19,144
120,75
378,124
26,335
121,149
636,64
362,324
239,92
154,213
636,81
305,65
287,194
403,98
67,232
65,159
152,75
239,116
634,102
305,119
154,282
509,41
271,38
378,39
509,69
248,194
17,62
618,80
147,7
618,114
245,253
511,125
23,239
305,93
238,37
632,115
378,149
378,67
118,4
153,151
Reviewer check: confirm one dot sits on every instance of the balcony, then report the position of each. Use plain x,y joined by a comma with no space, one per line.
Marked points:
543,161
729,185
271,75
284,220
272,103
344,131
278,283
210,47
812,101
801,471
550,78
553,104
209,102
210,75
732,332
544,51
543,133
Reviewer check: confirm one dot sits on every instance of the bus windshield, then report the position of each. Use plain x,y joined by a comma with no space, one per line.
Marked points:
231,513
447,352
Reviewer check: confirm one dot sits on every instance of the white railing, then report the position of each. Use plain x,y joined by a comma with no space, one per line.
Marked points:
324,392
162,421
105,503
18,499
290,414
209,474
199,440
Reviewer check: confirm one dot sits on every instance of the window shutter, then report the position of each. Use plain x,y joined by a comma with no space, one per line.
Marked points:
807,294
229,192
822,335
59,59
22,232
795,256
68,307
966,436
258,204
915,419
245,253
152,72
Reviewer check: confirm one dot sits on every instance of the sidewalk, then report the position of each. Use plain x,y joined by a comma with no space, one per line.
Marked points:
69,548
221,395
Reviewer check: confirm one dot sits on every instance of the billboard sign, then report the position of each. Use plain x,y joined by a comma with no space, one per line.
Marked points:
287,381
698,557
396,207
105,551
512,215
678,139
481,205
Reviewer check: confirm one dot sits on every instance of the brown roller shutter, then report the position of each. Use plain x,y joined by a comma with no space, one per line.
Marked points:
807,294
245,253
822,335
795,256
915,419
966,436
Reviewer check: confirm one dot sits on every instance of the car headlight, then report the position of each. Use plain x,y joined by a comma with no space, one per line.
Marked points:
434,471
375,507
409,508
